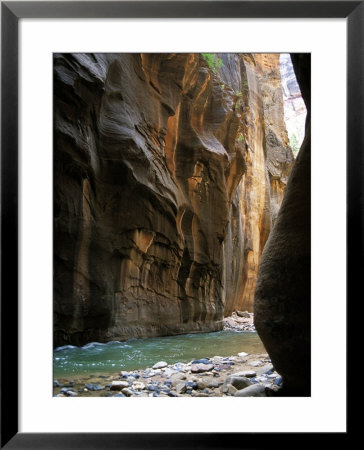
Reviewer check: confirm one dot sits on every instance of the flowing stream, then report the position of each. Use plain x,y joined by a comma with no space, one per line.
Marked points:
97,358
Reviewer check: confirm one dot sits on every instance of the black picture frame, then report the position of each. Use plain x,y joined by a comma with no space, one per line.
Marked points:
11,12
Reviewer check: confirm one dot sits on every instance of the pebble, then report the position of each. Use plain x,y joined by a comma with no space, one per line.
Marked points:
119,395
243,354
138,386
160,365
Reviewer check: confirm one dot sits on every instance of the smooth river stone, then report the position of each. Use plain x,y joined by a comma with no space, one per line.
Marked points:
160,365
118,385
256,390
199,368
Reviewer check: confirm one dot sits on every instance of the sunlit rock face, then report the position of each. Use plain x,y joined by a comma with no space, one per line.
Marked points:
163,191
294,106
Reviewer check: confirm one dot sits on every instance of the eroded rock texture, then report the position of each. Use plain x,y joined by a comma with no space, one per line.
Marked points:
283,297
165,188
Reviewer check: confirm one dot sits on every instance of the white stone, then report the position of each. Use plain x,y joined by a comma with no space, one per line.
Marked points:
119,385
243,354
160,365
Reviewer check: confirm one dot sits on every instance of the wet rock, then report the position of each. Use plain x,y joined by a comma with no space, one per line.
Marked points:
256,390
119,395
94,387
56,383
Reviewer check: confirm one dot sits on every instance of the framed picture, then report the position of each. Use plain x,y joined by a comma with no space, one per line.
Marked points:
31,33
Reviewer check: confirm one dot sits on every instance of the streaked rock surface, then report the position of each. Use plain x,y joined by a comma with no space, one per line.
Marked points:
167,176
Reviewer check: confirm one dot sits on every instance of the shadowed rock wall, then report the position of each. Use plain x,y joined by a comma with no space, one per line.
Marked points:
283,294
163,194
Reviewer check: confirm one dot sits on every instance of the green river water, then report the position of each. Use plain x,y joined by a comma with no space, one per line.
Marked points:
96,358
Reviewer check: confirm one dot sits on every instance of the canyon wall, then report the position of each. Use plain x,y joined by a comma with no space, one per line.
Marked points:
283,294
169,170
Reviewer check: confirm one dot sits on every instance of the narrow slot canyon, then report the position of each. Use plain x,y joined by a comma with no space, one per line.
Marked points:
182,219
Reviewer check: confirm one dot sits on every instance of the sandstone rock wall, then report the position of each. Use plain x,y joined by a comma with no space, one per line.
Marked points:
165,188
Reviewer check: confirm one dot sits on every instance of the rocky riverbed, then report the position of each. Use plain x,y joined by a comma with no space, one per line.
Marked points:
241,375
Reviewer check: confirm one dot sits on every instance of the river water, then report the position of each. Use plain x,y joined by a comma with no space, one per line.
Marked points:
96,358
